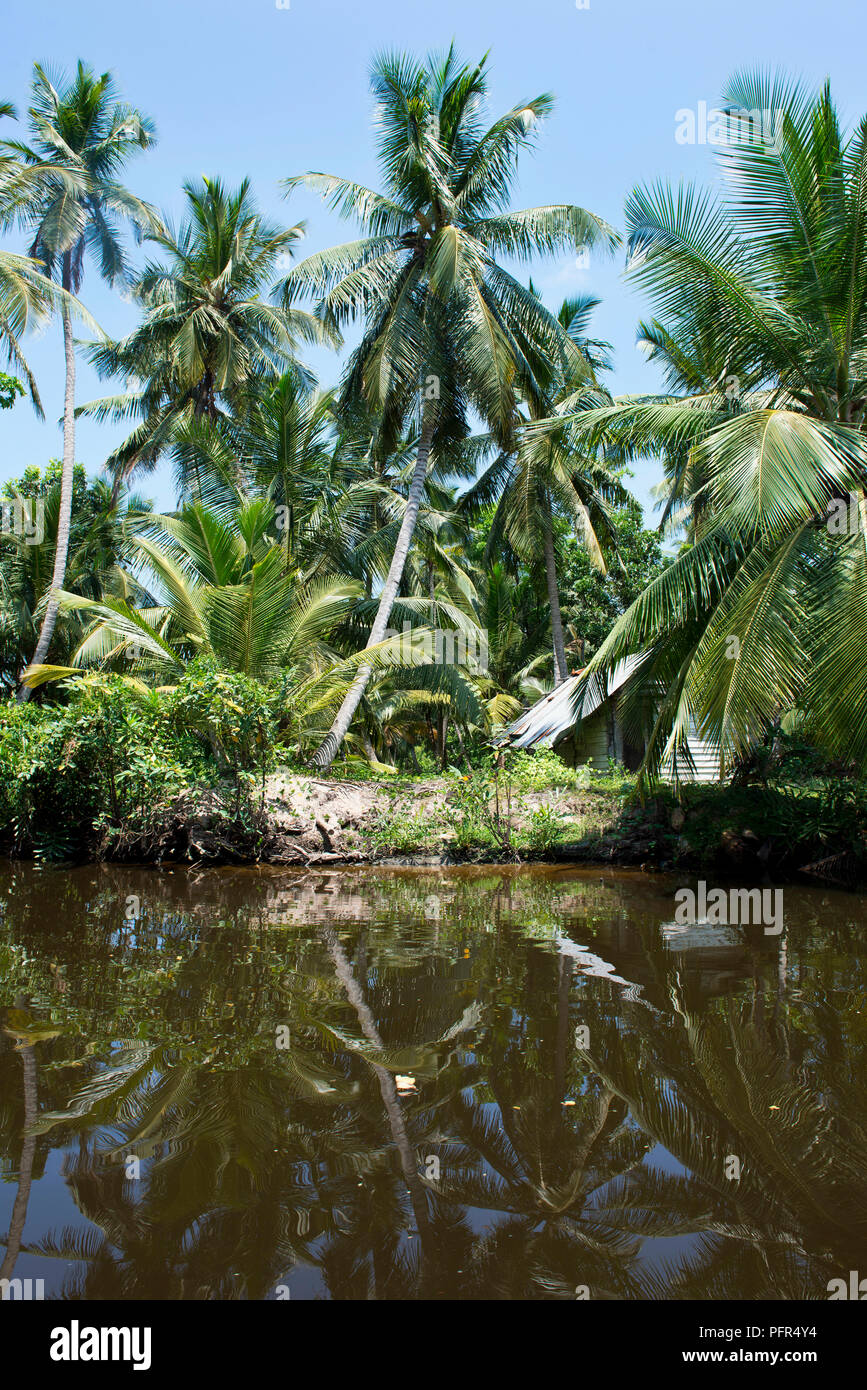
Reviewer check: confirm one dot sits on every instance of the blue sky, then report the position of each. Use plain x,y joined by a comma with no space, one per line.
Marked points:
246,88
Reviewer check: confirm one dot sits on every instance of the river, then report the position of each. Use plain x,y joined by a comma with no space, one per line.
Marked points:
486,1083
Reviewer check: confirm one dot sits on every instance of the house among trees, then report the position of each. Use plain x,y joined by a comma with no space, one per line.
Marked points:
593,733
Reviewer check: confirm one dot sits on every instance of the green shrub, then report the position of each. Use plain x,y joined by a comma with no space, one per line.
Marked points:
398,832
544,830
235,717
108,757
104,770
544,770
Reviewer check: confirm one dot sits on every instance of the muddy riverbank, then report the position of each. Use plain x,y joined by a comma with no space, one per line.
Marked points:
750,833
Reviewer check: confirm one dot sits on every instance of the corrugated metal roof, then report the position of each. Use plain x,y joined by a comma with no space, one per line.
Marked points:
543,723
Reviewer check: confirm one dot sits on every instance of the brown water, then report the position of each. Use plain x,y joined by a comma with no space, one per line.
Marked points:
481,1083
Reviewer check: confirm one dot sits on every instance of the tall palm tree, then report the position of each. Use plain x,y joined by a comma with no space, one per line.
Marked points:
549,474
26,297
82,136
761,304
207,333
445,326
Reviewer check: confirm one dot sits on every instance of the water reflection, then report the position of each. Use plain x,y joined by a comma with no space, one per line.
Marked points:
476,1084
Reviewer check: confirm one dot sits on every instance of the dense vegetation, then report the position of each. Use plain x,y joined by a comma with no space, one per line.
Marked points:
385,572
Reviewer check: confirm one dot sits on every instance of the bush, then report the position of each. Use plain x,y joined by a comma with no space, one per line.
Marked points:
398,832
544,770
544,830
235,717
104,770
108,757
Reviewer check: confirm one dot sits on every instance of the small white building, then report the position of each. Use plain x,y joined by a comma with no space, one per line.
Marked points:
594,735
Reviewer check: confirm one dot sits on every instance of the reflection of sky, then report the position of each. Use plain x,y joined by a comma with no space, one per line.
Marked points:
50,1209
658,1250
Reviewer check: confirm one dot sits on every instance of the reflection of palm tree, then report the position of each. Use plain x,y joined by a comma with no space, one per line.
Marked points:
552,1171
442,1234
25,1171
721,1086
256,1161
387,1084
236,1149
222,1208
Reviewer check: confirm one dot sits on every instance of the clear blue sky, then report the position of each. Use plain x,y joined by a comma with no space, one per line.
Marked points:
245,88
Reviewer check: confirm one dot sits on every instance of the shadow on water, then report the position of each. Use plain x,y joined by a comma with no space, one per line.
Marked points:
477,1083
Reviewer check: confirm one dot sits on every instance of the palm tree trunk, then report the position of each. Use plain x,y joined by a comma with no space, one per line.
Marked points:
61,548
561,1055
442,719
387,1086
369,750
327,750
25,1172
561,669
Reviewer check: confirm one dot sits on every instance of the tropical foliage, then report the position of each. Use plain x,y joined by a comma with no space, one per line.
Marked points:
761,329
406,559
64,188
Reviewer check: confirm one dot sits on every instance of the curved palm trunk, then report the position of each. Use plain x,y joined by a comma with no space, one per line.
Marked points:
561,669
61,549
327,750
387,1085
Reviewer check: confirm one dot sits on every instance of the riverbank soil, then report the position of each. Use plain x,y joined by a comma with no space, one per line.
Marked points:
751,832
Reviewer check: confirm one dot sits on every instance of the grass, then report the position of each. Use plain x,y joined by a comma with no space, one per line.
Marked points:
535,810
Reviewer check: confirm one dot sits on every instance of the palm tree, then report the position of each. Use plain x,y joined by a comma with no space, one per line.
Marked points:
549,474
25,295
287,443
218,588
446,327
82,137
25,300
762,320
207,334
512,613
96,547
